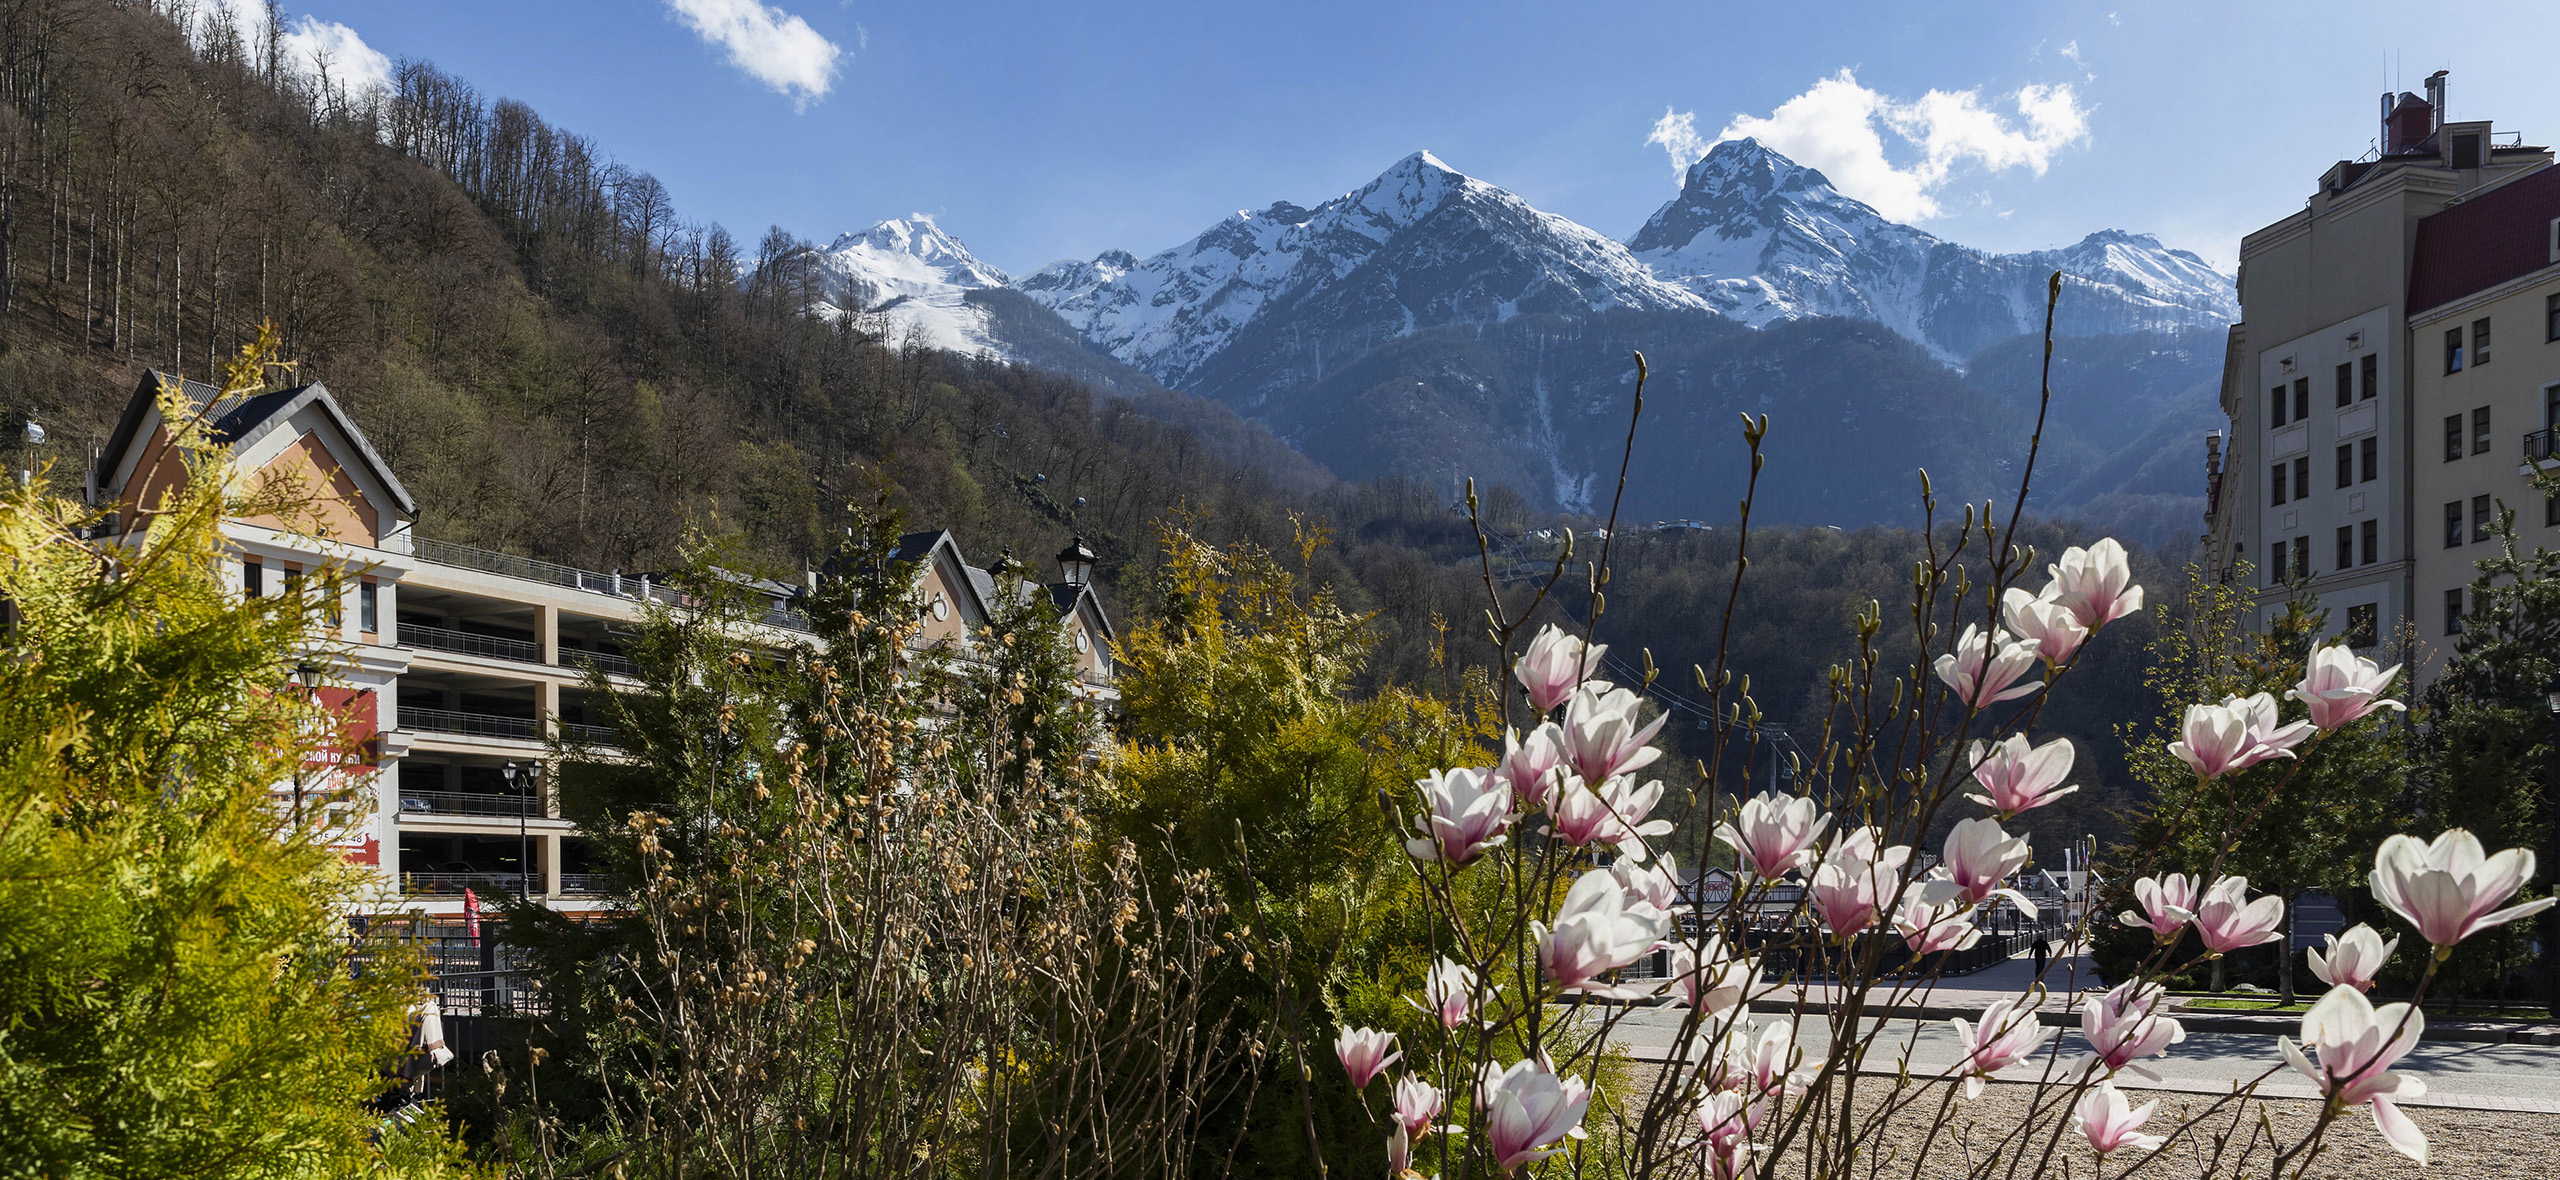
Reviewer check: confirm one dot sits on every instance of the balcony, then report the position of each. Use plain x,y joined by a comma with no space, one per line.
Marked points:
485,725
593,735
605,662
473,803
588,884
452,884
534,569
2541,450
465,643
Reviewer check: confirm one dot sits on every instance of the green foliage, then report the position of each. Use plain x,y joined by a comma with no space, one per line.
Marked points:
179,990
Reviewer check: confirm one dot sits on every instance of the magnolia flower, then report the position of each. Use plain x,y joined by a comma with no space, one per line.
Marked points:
1705,979
1851,886
1399,1151
2354,959
2356,1043
1525,1108
1417,1102
2235,735
1364,1052
2020,777
2340,686
1470,814
1532,765
1598,929
2109,1122
1656,885
1774,835
2227,920
2094,584
2168,904
1979,856
2045,623
2009,1033
1555,666
1932,919
2124,1025
2447,889
1451,988
1615,814
1601,737
1985,666
1766,1062
1726,1120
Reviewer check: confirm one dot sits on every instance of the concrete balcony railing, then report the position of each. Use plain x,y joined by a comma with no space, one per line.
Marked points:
467,803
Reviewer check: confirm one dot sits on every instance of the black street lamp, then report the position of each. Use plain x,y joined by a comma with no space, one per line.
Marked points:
524,812
307,677
1076,562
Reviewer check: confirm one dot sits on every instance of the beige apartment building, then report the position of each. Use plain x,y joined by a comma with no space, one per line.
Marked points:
453,668
2354,358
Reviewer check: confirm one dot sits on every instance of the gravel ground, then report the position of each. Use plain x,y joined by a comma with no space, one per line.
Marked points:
2463,1144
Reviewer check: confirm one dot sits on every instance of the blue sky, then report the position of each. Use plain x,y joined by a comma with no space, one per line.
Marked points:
1042,131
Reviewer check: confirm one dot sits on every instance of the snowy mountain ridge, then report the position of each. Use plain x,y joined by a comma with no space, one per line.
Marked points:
917,278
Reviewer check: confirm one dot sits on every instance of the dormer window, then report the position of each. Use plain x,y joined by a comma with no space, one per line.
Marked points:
2466,150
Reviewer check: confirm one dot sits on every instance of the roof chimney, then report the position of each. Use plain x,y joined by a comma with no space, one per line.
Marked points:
2435,96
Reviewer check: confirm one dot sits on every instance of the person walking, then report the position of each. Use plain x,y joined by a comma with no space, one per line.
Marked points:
2040,952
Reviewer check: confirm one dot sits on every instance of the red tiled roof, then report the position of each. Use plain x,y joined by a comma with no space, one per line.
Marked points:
2487,240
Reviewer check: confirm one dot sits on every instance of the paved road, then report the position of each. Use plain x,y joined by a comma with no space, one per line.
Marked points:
2459,1074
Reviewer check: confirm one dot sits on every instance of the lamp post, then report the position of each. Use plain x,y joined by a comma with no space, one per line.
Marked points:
306,677
524,812
2551,851
1076,562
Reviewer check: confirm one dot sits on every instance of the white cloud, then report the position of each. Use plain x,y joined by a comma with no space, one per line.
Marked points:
1840,127
310,48
772,46
2071,52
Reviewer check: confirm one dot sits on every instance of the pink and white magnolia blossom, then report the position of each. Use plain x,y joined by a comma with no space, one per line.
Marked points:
2226,920
1533,765
1767,1063
1399,1152
1727,1115
2110,1123
2449,889
1707,979
1598,929
1979,856
1985,666
1855,880
2356,1043
1933,919
2235,735
2125,1024
2168,904
1417,1102
1602,738
1470,814
2009,1033
1555,666
1451,989
2339,686
1774,835
2045,623
1524,1109
2020,777
1364,1052
1656,884
2095,584
2354,958
1614,814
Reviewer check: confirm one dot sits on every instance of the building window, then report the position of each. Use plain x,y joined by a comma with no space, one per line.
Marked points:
2372,542
253,580
2346,546
2479,343
2275,484
2346,464
2551,512
2369,456
2480,431
368,607
2453,350
2453,525
2275,563
2479,518
2275,406
2372,372
2452,437
2364,625
2453,611
2551,317
2302,478
2346,384
2302,556
2301,398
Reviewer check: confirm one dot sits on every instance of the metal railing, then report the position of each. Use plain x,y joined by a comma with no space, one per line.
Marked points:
589,884
2539,446
471,724
427,883
465,643
535,569
606,662
467,803
593,735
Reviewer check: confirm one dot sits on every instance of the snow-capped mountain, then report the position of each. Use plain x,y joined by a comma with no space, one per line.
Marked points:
1762,239
915,276
1264,301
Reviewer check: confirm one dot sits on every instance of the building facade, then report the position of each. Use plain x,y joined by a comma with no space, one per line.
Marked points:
455,667
2334,469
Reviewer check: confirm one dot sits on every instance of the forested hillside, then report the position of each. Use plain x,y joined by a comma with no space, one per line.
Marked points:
559,363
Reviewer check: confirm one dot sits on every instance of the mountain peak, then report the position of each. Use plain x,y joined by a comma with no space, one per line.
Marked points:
923,252
1749,165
